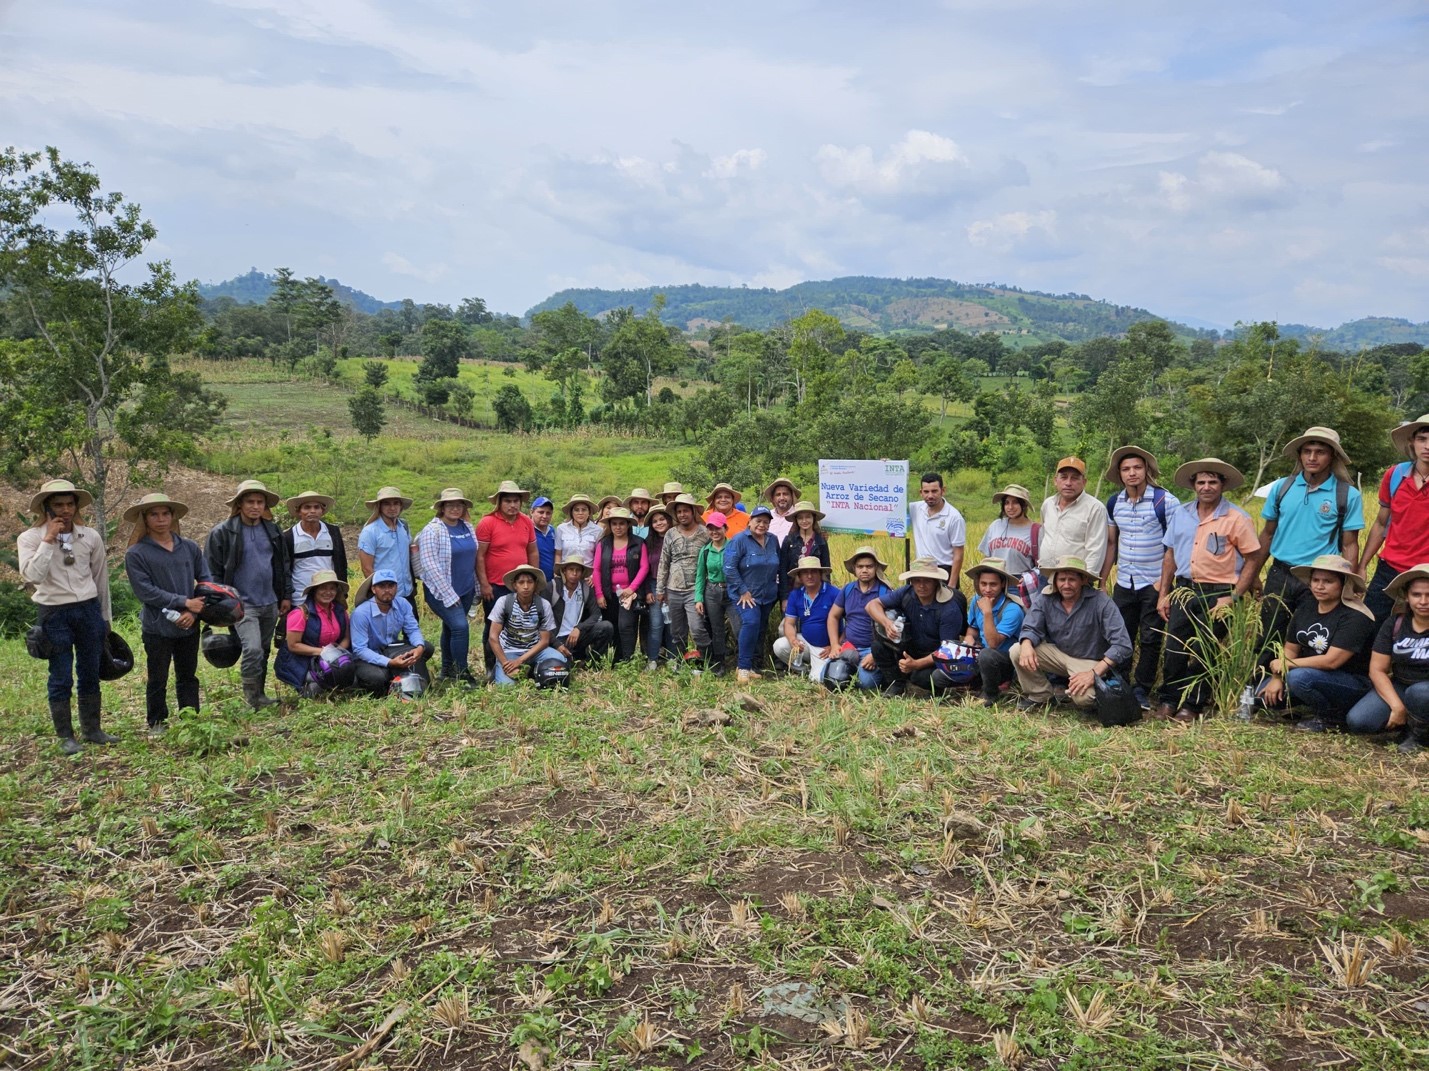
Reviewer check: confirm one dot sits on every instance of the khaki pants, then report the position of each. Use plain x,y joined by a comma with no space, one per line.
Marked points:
1050,660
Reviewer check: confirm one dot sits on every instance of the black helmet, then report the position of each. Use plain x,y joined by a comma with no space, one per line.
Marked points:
552,674
38,644
839,674
1116,702
117,659
221,604
222,649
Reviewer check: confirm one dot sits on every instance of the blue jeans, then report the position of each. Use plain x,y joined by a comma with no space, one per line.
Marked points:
1327,692
550,654
867,678
77,630
1371,714
456,631
751,632
1380,604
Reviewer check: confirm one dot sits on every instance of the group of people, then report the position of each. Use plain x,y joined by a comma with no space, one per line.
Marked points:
1057,605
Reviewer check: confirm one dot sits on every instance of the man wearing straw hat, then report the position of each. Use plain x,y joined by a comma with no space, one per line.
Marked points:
1136,525
387,639
505,539
385,542
1072,630
247,552
806,641
675,574
781,495
994,624
582,634
522,626
1404,501
1315,510
849,619
163,568
313,544
1210,560
64,565
931,617
638,502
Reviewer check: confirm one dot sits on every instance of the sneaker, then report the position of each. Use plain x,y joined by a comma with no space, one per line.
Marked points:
652,665
1143,697
742,676
1312,725
1023,703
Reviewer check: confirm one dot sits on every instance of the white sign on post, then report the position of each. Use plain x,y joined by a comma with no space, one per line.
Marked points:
864,496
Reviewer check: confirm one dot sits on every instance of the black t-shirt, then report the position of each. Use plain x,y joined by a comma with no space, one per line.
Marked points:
1408,652
1343,627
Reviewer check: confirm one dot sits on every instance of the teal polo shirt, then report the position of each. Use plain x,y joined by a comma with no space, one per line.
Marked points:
1306,517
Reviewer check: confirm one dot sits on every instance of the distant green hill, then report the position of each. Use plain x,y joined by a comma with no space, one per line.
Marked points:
255,287
1359,334
879,305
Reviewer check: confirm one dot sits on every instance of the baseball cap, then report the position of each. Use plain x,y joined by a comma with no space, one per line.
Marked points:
384,576
716,519
542,501
760,511
1072,463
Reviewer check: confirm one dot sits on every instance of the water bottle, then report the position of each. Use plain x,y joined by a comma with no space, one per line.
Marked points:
796,660
1246,710
171,615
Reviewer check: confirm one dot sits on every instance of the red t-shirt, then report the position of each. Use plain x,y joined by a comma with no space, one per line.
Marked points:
506,544
1407,542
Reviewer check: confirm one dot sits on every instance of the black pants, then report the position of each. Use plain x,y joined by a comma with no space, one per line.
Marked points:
1281,595
886,656
159,651
1138,612
625,625
592,643
378,679
1189,618
995,668
487,605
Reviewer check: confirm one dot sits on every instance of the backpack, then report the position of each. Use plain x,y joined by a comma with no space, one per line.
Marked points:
1158,503
1342,496
1396,477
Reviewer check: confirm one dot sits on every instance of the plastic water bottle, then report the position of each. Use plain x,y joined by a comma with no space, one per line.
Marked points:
171,615
796,660
1246,710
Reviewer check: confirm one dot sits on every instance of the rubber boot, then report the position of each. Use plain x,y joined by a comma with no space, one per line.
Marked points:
253,692
1416,739
64,726
89,709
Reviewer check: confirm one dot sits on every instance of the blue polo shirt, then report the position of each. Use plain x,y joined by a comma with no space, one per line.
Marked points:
546,551
858,626
1008,615
390,549
1306,519
811,616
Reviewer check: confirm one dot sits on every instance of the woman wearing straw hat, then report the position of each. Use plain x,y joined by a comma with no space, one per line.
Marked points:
621,566
247,552
65,564
805,540
385,541
446,551
163,568
849,620
806,641
1013,537
931,617
1400,533
994,624
318,621
578,533
725,499
313,544
1325,664
1399,666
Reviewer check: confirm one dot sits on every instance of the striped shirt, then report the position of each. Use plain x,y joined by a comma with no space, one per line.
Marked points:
1139,535
521,629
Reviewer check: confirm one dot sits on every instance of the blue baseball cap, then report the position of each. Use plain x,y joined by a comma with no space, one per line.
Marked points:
760,511
384,576
542,501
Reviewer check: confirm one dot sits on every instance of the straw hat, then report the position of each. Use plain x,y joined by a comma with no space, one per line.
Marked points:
327,576
1017,491
578,499
1354,583
781,481
509,580
928,569
508,487
1397,587
685,500
389,492
1329,436
1067,564
999,568
609,500
294,504
620,513
661,509
810,562
1403,436
1113,469
709,499
1186,475
805,507
136,512
247,487
866,551
451,494
639,494
364,589
575,557
672,487
82,499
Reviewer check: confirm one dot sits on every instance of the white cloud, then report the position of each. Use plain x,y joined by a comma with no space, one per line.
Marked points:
902,166
1225,179
1005,232
400,265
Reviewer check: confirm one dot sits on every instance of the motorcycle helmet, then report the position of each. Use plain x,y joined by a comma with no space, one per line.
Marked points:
221,604
552,674
117,658
332,667
957,661
407,686
1116,702
839,674
221,649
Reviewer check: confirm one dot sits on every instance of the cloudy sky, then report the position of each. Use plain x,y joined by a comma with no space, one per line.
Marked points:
1261,159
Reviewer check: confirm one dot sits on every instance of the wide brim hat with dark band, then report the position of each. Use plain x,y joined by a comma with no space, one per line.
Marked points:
1067,564
148,502
247,487
928,569
660,509
997,567
294,504
576,558
327,576
509,580
1354,583
578,499
82,499
1230,476
508,487
879,565
810,562
451,494
1017,491
1403,436
805,507
709,498
684,499
1396,588
610,500
1329,436
389,492
639,494
1121,453
781,481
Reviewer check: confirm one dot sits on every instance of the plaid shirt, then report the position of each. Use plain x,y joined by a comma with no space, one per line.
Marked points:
434,559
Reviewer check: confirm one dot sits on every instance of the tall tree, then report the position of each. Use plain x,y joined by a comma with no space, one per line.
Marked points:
640,349
369,415
92,383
